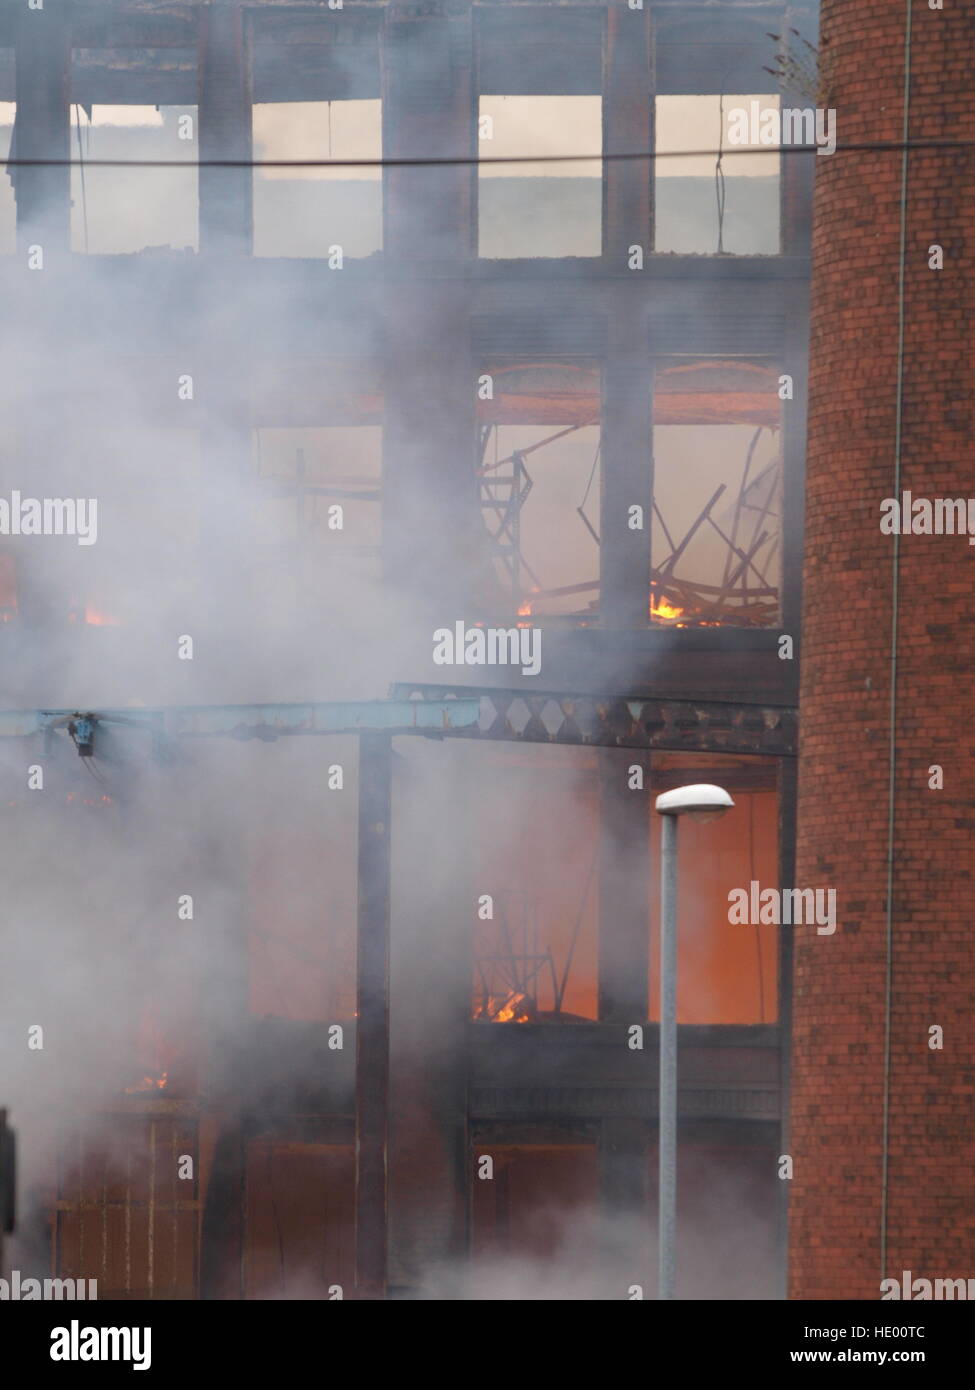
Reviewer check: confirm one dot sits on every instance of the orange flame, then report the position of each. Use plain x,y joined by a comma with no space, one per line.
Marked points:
149,1083
513,1009
663,609
525,611
95,617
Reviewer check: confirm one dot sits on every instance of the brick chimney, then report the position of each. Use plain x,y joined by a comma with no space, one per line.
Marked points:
882,1121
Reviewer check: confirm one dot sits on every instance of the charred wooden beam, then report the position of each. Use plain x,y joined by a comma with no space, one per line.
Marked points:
752,1103
140,78
322,29
123,27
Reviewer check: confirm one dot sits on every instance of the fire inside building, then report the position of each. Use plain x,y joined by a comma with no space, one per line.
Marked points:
331,968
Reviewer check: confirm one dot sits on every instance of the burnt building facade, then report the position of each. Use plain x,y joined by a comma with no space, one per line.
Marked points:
373,329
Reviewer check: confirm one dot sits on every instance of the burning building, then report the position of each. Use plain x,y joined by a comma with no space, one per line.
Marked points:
331,972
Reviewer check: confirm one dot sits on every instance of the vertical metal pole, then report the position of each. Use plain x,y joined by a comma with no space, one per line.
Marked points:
788,805
667,1147
372,1023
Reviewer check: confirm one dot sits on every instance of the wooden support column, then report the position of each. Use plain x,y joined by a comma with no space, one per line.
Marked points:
225,462
627,424
796,364
225,129
222,1227
42,129
623,1155
430,516
627,480
624,943
624,888
372,1025
797,172
226,975
428,112
431,973
628,129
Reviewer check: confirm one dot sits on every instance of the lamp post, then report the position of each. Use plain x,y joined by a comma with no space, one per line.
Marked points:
702,803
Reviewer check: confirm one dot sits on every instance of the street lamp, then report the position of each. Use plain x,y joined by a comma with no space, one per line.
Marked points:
702,802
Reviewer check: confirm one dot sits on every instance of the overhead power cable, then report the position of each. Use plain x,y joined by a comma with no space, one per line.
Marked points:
854,147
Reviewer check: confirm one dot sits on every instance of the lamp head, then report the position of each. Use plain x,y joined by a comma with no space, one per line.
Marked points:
702,802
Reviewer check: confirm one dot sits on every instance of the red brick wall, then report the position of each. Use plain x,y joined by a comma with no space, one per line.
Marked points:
840,981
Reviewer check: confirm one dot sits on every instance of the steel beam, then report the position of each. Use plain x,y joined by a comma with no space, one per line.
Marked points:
676,725
583,720
266,721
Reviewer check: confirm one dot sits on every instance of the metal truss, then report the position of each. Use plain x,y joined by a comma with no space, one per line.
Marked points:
707,726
